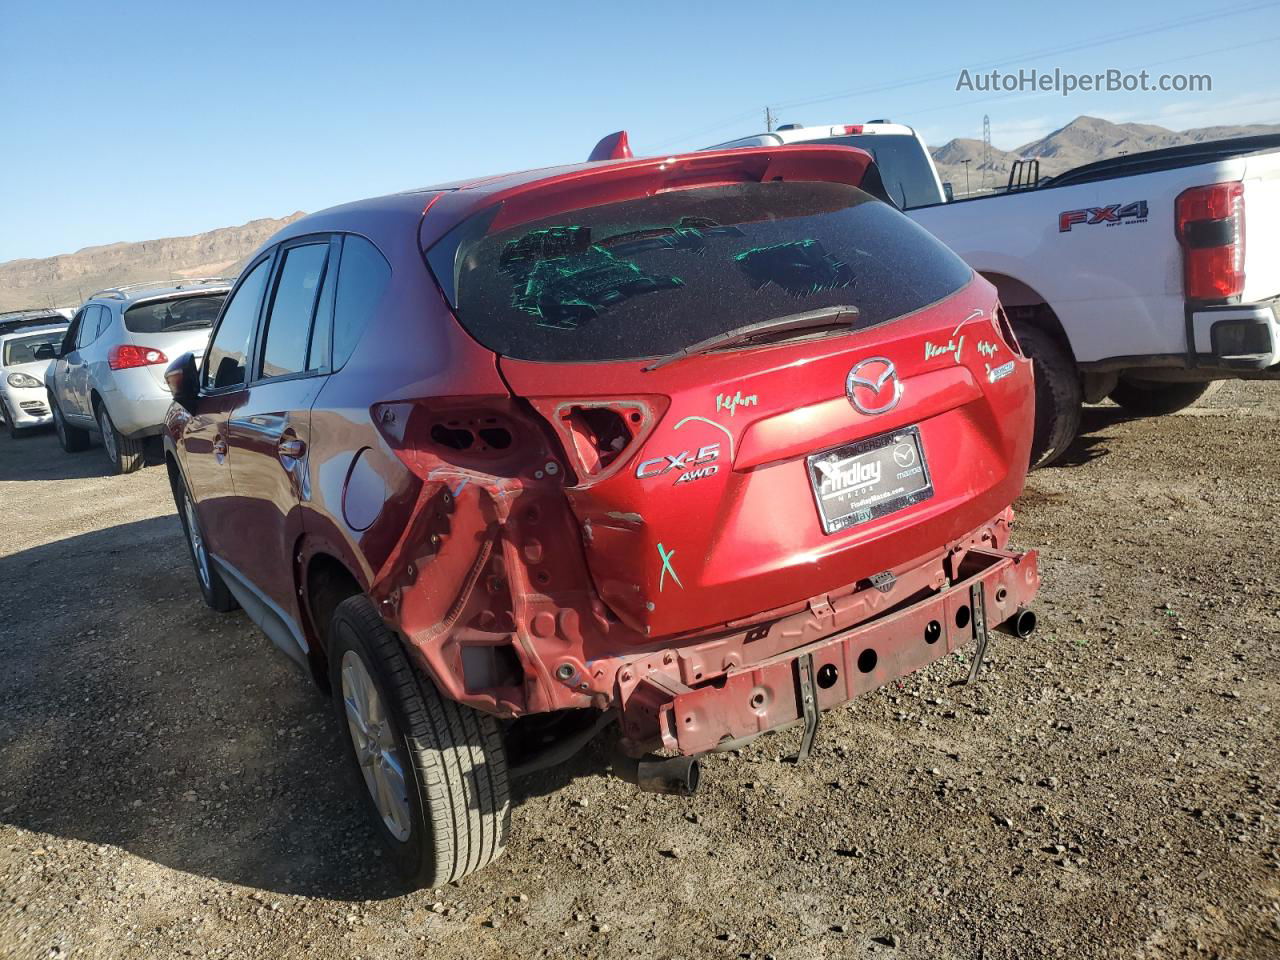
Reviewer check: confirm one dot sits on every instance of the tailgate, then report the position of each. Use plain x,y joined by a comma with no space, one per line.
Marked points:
715,514
1261,227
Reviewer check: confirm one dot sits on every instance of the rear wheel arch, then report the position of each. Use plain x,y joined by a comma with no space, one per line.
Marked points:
324,581
1024,304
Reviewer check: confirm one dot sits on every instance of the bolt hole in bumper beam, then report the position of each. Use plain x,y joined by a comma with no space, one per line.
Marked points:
771,695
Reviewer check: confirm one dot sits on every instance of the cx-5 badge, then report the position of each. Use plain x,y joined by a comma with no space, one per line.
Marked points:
866,386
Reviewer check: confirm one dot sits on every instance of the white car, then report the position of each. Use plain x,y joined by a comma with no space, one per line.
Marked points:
1143,277
23,400
107,375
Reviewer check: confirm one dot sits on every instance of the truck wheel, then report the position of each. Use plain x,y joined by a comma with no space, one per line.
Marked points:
435,771
1149,398
213,588
1058,395
72,439
125,455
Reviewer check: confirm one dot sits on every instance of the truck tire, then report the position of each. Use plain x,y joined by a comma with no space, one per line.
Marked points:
434,772
217,596
1058,394
1149,398
72,439
125,455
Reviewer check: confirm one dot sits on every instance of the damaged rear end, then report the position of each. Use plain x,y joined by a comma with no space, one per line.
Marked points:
757,455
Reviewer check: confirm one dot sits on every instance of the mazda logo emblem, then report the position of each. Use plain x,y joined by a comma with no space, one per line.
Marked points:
867,386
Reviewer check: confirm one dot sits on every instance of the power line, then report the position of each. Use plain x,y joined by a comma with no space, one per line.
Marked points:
1068,48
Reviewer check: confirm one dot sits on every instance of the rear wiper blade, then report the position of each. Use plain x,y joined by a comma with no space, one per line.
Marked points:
842,315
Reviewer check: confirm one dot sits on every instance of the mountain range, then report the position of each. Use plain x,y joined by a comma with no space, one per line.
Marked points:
67,279
1083,140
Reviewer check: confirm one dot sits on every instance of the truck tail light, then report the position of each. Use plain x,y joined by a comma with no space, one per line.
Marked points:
126,356
852,128
1210,226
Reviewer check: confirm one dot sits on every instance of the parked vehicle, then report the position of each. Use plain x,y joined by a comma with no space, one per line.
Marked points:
700,446
1144,277
107,375
23,402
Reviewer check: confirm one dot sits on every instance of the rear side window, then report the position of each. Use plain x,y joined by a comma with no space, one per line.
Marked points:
289,321
174,316
363,275
229,350
651,276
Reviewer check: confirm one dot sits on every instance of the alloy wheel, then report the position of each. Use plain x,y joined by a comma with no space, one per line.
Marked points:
196,540
376,749
108,435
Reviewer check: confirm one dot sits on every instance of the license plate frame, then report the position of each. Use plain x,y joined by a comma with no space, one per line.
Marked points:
864,501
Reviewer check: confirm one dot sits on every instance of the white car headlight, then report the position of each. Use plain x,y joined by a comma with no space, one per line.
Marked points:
22,380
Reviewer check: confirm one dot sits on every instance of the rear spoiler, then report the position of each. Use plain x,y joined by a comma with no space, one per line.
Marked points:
617,146
590,185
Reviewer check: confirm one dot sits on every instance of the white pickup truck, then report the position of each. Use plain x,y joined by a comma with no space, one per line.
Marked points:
1143,278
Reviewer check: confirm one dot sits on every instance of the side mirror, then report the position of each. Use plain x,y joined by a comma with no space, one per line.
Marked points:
948,191
184,381
46,351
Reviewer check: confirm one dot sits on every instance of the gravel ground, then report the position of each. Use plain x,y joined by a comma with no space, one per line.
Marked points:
173,786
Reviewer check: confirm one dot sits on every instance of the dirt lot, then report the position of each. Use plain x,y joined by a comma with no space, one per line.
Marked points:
173,786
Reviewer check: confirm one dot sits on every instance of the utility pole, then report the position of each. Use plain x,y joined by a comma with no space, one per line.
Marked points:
966,176
986,147
769,120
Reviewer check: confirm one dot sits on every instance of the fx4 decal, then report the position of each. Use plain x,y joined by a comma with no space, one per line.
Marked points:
1135,212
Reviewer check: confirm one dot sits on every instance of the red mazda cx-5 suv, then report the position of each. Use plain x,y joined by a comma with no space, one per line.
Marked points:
693,448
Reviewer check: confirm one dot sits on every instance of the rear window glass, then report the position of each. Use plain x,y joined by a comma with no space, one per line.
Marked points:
651,276
174,316
904,166
23,349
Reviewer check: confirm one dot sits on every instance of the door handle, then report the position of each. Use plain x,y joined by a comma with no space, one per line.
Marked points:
219,447
292,447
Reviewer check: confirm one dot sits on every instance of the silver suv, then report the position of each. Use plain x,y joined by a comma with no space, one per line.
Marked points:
107,375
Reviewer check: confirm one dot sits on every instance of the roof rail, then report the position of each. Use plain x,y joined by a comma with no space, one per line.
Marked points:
178,283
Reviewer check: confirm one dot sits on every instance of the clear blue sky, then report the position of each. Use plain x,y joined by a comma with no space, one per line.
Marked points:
131,120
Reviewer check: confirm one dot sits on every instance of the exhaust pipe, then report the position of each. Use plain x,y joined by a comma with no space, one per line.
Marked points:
1021,625
673,775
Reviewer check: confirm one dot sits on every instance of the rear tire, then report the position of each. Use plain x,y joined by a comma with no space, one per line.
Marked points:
1058,394
434,772
125,455
213,588
72,439
1150,398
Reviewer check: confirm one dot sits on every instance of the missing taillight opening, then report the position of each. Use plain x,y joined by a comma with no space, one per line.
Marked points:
1005,329
599,434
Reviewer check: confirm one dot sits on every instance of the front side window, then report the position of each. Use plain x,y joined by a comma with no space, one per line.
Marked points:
229,350
72,336
363,276
651,276
89,326
288,325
